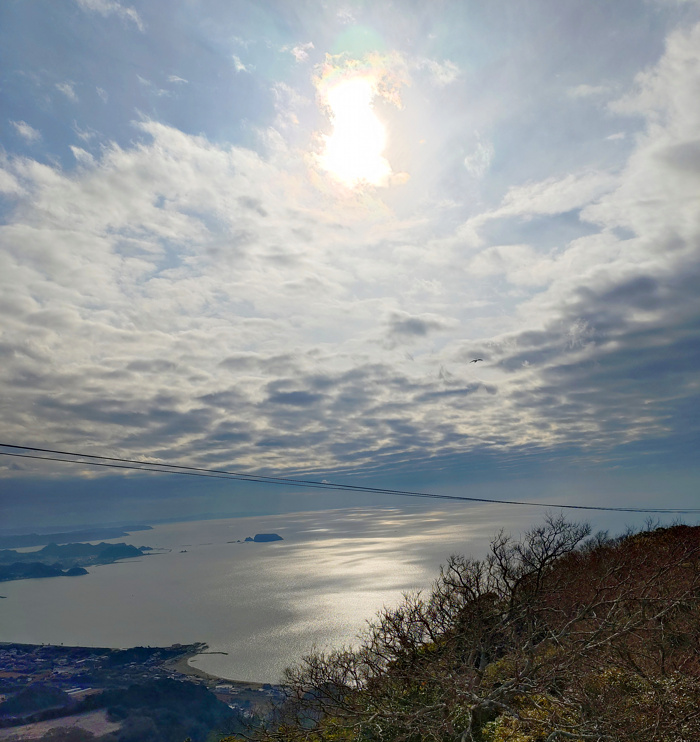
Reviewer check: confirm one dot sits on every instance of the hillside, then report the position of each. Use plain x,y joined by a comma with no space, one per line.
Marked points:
556,636
74,557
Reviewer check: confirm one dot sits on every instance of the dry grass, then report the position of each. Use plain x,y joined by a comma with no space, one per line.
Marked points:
93,721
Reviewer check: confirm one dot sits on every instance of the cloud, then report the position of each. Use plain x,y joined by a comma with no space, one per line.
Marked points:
479,160
588,91
177,80
160,92
68,89
290,105
295,399
86,135
519,264
82,156
9,184
619,363
612,342
301,51
555,195
442,73
238,65
412,326
657,92
550,197
111,7
404,327
345,15
27,132
130,223
219,305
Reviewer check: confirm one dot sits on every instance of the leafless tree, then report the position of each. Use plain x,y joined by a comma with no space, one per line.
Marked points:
550,637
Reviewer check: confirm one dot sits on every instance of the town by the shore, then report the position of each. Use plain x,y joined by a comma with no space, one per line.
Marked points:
48,686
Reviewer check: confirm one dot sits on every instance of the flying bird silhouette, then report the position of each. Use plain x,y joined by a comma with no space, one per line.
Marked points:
476,360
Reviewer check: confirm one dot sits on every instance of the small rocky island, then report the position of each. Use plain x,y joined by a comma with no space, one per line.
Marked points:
64,560
259,538
265,537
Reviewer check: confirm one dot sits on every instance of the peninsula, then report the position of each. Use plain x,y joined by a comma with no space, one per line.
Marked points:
64,560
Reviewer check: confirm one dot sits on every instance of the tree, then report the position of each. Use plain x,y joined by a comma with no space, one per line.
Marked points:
68,734
551,637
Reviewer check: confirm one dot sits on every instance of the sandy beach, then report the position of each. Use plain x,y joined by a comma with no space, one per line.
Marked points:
182,665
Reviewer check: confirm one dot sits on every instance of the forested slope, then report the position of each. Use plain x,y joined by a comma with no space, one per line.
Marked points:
556,636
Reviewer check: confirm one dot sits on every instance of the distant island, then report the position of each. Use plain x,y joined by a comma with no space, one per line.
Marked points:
20,571
259,538
67,537
66,560
265,537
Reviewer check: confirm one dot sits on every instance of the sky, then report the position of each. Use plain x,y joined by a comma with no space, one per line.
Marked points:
272,237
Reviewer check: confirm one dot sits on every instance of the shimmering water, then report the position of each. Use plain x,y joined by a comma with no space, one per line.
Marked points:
265,604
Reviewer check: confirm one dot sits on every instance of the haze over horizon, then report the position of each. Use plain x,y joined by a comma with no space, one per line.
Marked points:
274,238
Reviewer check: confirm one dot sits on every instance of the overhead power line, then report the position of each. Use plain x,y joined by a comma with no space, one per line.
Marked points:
113,462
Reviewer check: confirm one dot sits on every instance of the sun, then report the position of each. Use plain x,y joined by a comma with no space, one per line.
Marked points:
353,152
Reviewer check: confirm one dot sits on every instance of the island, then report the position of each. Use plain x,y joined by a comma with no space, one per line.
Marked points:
62,560
95,533
265,537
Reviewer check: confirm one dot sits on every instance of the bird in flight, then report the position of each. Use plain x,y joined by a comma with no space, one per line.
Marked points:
476,360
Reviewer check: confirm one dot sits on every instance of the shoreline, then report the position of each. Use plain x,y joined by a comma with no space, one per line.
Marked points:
179,664
182,665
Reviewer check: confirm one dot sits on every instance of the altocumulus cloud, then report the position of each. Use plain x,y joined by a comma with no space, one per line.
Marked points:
210,304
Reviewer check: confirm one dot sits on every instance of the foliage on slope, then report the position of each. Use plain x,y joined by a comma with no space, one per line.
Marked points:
556,636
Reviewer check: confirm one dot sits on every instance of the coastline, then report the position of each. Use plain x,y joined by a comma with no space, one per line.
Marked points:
179,664
182,666
92,678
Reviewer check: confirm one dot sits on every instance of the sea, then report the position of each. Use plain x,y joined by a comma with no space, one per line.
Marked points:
259,606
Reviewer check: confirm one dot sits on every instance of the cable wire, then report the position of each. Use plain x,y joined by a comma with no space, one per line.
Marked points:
114,462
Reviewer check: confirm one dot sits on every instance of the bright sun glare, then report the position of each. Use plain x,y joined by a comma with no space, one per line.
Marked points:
353,152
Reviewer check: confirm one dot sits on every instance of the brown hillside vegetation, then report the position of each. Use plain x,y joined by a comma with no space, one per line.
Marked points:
555,636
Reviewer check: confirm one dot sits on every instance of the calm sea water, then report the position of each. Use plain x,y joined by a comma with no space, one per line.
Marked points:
264,604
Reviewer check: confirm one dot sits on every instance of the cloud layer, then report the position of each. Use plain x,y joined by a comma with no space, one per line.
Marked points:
179,297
